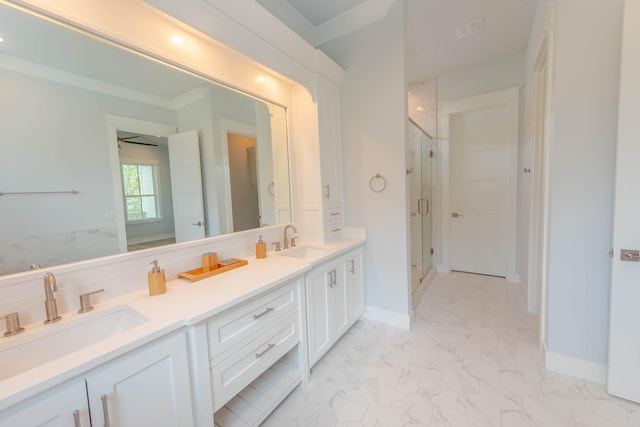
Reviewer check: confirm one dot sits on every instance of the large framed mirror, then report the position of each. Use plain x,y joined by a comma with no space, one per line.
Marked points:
105,151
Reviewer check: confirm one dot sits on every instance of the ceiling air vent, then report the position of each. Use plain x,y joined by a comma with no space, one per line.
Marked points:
469,29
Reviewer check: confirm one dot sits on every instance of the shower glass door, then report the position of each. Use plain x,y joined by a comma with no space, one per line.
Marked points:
420,172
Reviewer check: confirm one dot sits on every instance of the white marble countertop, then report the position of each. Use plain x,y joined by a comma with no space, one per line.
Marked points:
184,304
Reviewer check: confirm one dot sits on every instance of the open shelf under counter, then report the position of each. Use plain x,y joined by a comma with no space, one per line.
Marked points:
255,402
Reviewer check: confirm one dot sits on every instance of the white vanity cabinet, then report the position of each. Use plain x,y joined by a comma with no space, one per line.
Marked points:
64,405
335,300
150,386
250,354
330,157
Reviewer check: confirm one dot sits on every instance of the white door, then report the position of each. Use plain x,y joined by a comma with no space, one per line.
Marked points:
186,186
483,142
624,322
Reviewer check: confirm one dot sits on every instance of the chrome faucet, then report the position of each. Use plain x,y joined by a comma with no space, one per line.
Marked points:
50,304
286,240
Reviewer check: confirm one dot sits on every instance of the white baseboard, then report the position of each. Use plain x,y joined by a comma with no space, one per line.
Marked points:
574,367
441,268
391,318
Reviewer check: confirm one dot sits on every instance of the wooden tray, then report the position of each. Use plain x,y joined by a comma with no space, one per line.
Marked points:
199,274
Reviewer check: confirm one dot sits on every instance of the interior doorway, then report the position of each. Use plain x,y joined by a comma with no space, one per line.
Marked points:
480,183
243,180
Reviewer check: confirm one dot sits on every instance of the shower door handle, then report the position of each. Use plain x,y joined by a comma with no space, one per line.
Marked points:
423,210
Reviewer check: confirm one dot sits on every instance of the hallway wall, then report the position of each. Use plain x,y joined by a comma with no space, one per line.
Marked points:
374,125
582,152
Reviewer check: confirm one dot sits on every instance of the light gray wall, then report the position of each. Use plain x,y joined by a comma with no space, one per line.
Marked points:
54,138
585,101
374,124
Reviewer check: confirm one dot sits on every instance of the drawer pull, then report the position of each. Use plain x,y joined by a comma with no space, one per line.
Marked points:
105,410
76,418
335,213
336,229
268,310
262,353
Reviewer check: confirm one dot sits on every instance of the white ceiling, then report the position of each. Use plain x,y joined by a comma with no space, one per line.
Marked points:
432,46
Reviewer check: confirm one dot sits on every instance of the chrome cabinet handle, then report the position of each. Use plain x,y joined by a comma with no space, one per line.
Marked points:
456,215
332,278
262,353
328,196
199,223
105,410
76,418
257,316
353,266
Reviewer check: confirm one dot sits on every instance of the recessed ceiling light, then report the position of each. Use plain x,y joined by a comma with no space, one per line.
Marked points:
176,39
261,79
1,39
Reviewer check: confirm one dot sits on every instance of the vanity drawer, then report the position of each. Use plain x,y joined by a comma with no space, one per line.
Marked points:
334,214
236,324
332,230
234,373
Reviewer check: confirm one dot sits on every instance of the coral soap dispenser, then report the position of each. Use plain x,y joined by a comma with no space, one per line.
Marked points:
157,281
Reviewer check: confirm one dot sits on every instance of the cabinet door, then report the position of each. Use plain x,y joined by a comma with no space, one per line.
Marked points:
319,301
356,286
329,127
149,387
340,301
53,408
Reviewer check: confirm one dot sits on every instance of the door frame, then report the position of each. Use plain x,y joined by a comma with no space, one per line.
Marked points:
510,97
538,252
128,124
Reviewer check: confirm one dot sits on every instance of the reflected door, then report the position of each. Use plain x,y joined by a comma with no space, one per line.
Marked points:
186,186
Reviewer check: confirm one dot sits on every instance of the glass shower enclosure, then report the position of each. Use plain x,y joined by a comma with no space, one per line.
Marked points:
421,173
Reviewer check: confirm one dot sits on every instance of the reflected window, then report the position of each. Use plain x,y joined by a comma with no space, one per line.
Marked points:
141,191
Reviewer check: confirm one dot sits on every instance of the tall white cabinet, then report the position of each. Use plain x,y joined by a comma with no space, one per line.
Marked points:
328,95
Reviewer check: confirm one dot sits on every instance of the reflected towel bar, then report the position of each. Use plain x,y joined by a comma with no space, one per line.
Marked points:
41,192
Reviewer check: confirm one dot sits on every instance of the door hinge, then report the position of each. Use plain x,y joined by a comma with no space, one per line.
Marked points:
431,251
611,253
432,154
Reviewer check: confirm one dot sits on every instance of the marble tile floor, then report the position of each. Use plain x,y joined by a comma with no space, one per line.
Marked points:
471,359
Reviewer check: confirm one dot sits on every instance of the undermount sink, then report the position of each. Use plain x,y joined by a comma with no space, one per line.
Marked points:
44,343
304,252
